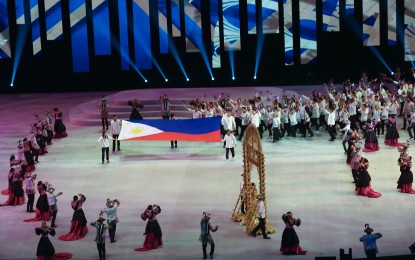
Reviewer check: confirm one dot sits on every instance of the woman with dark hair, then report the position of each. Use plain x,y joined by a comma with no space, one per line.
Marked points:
16,194
392,134
406,178
30,162
363,186
9,176
135,105
290,244
42,205
45,249
371,141
78,224
153,231
59,127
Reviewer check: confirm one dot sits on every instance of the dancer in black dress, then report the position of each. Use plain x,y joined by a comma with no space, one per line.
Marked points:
135,114
290,244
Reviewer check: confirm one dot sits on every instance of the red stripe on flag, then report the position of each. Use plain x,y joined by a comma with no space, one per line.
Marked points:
168,136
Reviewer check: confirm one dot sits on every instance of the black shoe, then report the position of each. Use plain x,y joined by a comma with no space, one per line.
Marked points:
102,162
53,226
113,151
113,241
172,147
205,257
211,256
119,149
175,146
253,234
267,238
31,211
311,135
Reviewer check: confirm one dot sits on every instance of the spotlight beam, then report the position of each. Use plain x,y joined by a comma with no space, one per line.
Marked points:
125,56
232,61
357,30
259,47
20,41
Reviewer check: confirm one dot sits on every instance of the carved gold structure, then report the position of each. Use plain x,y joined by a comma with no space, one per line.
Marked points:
253,157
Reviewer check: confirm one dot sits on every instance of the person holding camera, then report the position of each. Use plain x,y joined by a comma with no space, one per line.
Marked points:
153,231
112,218
53,207
290,244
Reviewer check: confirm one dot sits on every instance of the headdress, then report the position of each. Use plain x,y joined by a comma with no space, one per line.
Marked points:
368,229
100,219
110,203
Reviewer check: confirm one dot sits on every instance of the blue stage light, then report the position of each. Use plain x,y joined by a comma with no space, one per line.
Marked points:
166,79
187,79
213,78
233,78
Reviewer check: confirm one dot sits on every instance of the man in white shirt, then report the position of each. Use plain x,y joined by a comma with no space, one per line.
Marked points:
115,130
196,113
261,216
112,218
230,141
276,122
228,123
246,120
293,123
237,110
401,96
331,122
105,146
52,201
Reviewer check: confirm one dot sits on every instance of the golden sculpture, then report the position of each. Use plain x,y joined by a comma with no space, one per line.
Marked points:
253,156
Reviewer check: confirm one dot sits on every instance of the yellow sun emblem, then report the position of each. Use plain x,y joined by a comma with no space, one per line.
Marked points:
137,130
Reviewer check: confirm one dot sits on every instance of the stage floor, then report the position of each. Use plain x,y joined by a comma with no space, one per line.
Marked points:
306,176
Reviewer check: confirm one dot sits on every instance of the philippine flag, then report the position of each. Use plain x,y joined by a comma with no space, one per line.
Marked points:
196,130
